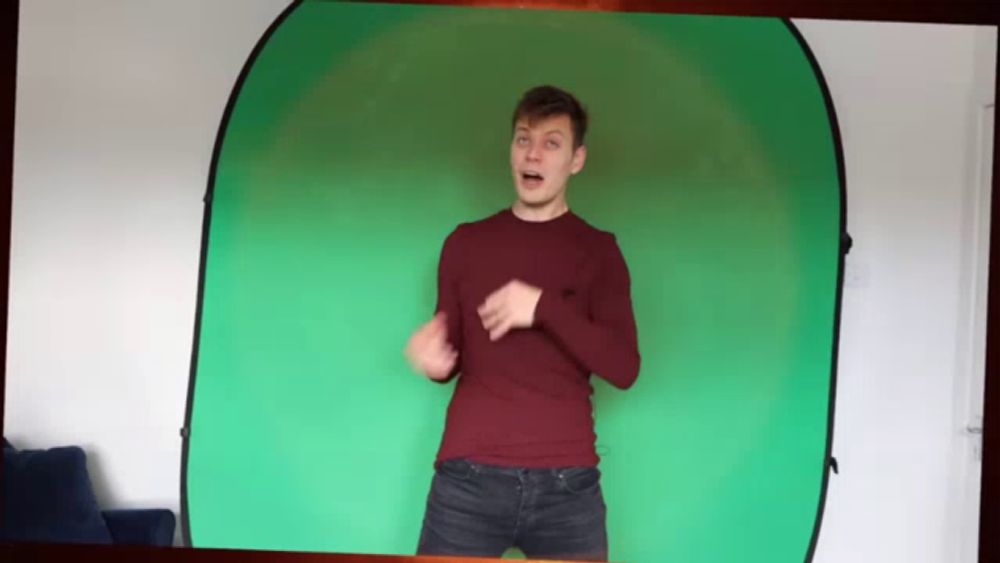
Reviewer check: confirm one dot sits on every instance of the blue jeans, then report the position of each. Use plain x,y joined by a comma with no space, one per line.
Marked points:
482,510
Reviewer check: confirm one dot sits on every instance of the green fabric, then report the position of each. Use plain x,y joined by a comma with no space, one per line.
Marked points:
365,132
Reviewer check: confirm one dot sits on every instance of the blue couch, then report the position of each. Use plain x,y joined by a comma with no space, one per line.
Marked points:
47,497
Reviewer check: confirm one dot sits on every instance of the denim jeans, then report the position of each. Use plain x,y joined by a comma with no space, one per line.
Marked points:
482,510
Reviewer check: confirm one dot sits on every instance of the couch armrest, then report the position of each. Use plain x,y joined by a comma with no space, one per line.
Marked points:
154,527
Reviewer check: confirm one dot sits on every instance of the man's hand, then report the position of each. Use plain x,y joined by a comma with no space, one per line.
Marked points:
428,350
511,306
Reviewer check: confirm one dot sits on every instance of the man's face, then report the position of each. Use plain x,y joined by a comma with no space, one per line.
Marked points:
542,159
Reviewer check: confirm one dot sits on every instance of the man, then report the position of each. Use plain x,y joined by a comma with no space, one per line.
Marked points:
531,301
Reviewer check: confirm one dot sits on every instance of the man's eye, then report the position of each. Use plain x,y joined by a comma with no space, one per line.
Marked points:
522,140
552,144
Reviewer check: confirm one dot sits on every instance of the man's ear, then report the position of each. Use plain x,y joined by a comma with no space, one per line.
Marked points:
579,158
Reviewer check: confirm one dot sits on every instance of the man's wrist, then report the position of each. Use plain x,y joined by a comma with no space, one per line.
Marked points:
542,306
534,312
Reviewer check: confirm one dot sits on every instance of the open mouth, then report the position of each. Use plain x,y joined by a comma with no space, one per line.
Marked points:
531,179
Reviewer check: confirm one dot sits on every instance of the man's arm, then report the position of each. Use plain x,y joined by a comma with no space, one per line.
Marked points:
448,302
433,350
606,343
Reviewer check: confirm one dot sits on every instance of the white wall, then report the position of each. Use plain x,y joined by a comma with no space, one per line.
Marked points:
118,104
909,100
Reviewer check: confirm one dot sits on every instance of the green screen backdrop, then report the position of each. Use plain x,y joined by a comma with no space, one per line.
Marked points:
356,139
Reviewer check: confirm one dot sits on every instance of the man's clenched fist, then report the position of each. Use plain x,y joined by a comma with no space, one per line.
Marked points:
428,350
511,306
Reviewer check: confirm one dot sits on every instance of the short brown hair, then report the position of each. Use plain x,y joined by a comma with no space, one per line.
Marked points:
543,102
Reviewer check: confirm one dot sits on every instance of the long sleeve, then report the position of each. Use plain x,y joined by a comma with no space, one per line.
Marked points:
606,343
449,268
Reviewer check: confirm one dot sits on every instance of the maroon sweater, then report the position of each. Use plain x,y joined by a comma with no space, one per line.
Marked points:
524,400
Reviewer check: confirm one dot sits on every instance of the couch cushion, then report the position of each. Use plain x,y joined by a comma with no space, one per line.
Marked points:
141,526
47,497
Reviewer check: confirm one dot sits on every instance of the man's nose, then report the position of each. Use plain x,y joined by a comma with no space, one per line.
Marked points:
534,153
